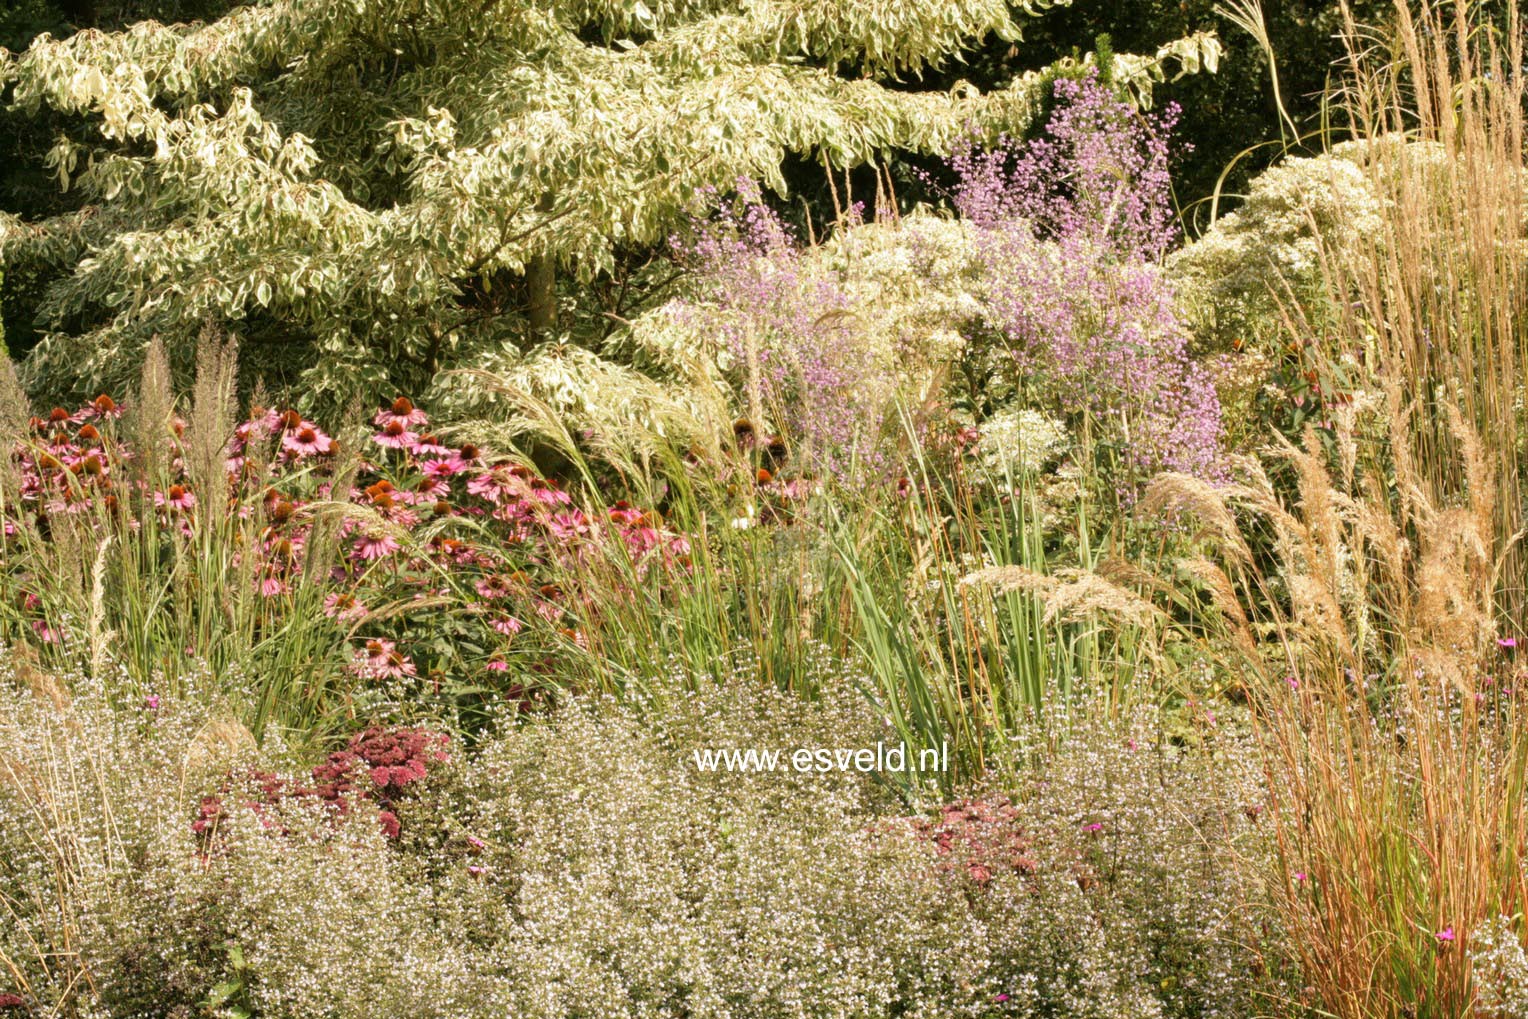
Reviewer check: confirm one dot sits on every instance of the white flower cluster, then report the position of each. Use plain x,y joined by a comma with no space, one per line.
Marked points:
577,864
1020,441
1234,276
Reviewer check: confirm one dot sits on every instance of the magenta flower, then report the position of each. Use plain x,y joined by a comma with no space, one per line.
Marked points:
443,468
345,608
395,436
1506,642
380,659
429,445
178,498
271,585
507,625
306,440
375,546
493,586
1446,935
493,485
403,412
569,525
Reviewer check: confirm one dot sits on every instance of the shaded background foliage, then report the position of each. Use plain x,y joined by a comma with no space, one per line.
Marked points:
1224,114
1230,119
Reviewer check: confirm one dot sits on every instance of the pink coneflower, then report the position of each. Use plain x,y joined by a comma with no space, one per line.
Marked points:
403,412
102,406
306,440
493,586
345,608
493,484
443,468
640,540
395,436
429,445
375,546
569,525
381,659
626,514
547,492
497,664
271,585
178,498
507,625
427,490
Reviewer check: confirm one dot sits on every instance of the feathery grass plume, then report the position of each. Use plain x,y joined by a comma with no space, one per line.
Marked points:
100,636
1396,753
151,425
1068,594
1174,495
13,405
1226,599
214,413
14,431
1436,297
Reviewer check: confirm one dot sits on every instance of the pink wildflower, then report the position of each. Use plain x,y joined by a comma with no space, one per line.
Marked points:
403,412
380,659
375,546
395,436
306,440
344,608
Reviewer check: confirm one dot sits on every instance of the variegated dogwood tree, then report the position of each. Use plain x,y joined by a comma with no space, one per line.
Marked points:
370,190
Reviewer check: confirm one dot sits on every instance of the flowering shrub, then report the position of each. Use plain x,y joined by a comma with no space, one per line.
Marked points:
586,867
417,559
1070,229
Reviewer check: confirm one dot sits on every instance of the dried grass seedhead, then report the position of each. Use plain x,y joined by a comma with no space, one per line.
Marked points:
1178,497
214,411
1069,595
218,744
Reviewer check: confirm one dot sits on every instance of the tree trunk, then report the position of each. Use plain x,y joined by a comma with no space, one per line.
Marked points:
541,282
